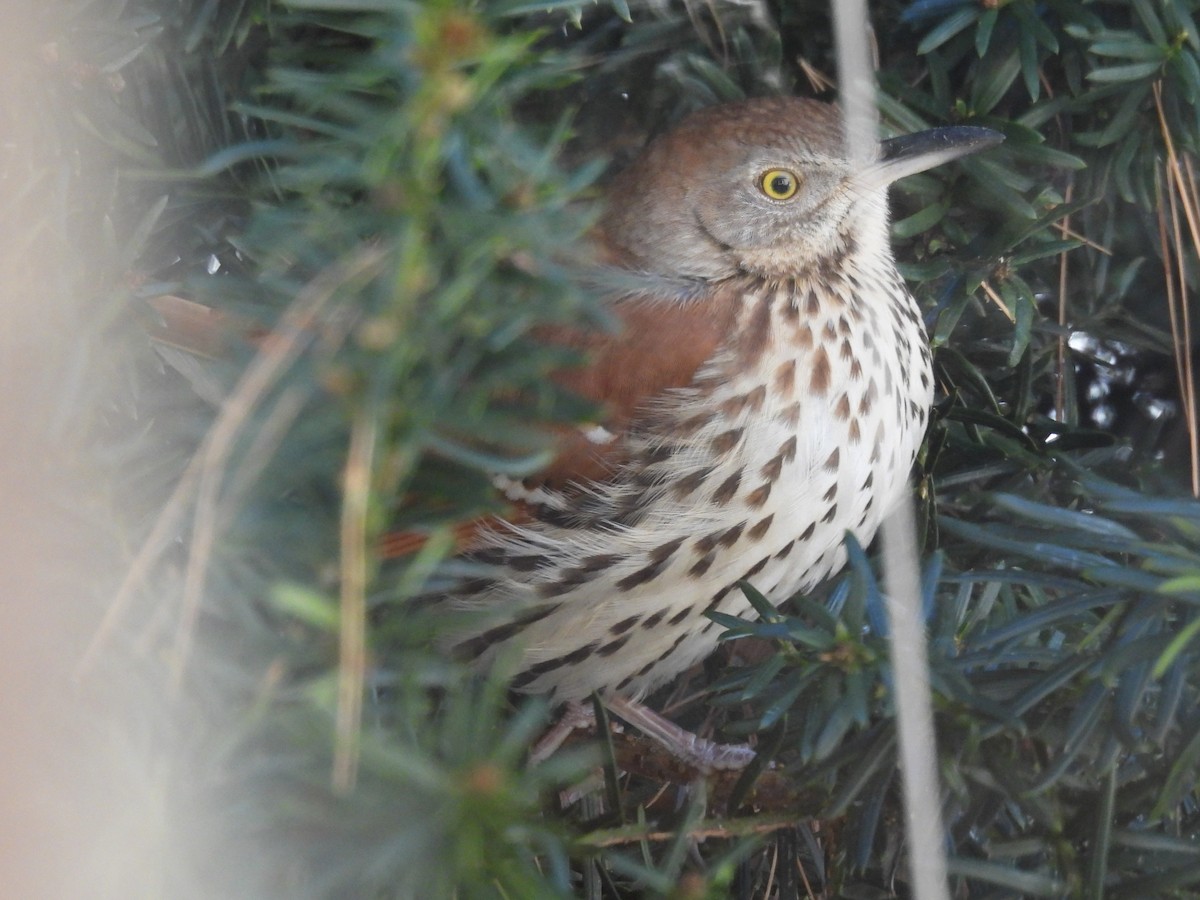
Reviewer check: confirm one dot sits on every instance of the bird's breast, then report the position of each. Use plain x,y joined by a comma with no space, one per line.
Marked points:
810,417
800,425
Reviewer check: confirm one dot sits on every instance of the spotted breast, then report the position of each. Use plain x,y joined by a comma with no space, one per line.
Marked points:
768,394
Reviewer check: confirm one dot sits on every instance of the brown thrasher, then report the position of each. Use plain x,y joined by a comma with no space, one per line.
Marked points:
767,393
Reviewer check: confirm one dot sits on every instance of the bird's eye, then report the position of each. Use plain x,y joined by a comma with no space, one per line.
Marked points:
779,184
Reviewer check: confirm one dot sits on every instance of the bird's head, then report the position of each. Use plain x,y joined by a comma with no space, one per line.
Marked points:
761,186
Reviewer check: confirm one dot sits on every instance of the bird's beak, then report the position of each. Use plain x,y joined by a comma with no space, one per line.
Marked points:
913,153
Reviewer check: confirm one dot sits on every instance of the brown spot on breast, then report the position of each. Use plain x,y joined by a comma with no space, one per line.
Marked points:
790,414
808,532
645,670
653,620
703,564
804,336
715,604
847,351
664,552
692,424
872,392
842,410
549,665
759,495
613,646
674,646
657,453
518,563
831,464
772,468
785,377
755,334
481,585
758,529
688,484
680,616
598,562
813,303
577,575
787,548
624,625
831,493
828,517
751,400
791,309
829,270
787,449
856,371
756,568
659,557
724,537
731,535
728,488
830,331
726,441
647,478
855,433
473,648
549,589
819,383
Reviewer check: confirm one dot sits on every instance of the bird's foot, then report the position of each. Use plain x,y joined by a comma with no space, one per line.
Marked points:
576,716
691,749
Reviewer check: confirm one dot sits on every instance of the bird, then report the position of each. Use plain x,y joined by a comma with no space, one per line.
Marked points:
766,393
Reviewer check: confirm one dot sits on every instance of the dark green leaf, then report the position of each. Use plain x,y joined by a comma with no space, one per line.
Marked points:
948,28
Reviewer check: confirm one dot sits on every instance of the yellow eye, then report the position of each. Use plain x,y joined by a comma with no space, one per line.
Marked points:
779,184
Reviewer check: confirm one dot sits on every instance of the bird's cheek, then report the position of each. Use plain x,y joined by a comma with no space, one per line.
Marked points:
735,225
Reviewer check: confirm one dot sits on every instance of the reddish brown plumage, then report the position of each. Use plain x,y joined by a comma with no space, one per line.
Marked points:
764,394
658,347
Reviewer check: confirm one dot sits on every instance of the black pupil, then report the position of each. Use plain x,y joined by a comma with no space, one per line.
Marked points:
781,184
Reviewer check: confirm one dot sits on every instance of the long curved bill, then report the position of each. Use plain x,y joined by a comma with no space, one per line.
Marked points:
913,153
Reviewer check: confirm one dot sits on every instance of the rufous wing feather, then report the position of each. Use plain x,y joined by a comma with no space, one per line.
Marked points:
658,346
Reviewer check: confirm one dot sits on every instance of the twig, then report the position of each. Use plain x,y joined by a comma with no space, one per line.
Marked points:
201,479
998,300
707,828
352,639
1178,194
1060,392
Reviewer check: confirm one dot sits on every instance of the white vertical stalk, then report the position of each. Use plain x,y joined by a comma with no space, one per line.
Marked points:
910,664
914,711
856,79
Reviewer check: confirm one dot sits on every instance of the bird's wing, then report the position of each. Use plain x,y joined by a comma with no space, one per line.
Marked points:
659,346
